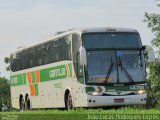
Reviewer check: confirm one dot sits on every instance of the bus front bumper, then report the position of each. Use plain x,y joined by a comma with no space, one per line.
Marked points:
95,101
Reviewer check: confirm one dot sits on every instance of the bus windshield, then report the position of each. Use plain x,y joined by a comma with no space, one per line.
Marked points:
114,65
109,67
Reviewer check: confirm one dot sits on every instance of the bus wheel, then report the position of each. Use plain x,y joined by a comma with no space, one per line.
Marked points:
69,103
22,104
28,104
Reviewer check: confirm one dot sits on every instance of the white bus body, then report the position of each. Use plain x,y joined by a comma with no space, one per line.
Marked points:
48,74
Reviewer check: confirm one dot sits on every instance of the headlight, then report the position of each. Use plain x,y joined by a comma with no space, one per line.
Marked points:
95,93
141,92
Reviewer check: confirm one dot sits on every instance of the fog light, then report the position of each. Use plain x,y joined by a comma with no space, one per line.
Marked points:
95,93
141,92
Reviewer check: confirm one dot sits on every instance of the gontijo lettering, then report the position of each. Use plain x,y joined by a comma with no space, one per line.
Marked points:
57,72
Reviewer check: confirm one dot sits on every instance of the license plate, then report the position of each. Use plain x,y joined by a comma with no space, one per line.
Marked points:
121,100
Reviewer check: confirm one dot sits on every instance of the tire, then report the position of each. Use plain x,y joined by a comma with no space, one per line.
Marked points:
22,104
69,102
28,104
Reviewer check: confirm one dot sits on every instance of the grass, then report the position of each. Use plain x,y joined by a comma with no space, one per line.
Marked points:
80,113
124,110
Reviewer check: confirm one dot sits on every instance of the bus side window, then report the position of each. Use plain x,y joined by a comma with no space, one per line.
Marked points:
31,57
25,58
64,48
39,56
20,61
80,71
13,62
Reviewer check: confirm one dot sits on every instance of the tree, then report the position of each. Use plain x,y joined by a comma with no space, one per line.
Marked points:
5,96
7,61
153,22
4,92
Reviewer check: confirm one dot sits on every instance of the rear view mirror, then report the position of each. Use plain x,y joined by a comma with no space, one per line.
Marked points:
83,57
151,54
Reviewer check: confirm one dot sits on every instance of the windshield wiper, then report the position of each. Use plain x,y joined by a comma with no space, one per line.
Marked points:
109,70
125,71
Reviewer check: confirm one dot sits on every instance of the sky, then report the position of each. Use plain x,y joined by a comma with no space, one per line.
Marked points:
23,22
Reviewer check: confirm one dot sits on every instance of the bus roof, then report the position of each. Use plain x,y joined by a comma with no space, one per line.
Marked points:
76,30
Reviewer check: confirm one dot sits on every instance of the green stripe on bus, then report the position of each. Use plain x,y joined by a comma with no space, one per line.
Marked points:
52,73
33,77
70,69
90,89
117,88
125,88
17,80
24,78
36,89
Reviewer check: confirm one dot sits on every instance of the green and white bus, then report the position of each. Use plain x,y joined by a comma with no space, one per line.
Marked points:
90,67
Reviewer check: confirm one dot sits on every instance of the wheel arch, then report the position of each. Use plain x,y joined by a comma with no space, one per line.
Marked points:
67,91
28,97
21,95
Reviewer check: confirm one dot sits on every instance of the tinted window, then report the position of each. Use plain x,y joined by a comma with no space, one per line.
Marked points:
52,51
39,55
111,40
